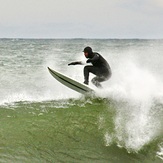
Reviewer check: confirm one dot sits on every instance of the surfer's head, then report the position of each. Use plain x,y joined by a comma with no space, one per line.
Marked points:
88,52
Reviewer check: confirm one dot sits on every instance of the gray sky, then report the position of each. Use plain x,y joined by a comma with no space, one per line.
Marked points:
81,19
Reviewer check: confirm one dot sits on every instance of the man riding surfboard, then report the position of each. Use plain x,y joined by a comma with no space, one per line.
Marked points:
99,67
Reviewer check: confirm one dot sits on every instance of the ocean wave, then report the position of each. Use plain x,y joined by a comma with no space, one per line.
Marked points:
91,125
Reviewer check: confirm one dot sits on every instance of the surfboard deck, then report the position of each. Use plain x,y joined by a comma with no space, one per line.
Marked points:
71,83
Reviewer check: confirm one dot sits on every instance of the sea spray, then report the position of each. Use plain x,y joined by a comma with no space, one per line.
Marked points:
134,94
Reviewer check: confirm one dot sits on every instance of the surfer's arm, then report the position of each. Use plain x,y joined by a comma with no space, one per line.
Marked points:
75,63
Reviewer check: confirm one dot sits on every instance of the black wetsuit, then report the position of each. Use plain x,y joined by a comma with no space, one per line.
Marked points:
99,67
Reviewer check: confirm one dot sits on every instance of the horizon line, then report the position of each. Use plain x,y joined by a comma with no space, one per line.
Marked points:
78,38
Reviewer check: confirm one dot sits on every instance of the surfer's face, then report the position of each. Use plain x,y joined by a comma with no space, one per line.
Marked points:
86,54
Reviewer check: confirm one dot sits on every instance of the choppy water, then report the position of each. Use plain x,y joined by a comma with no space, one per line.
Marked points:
43,121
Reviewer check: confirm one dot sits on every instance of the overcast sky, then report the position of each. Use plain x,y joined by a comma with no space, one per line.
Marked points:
81,18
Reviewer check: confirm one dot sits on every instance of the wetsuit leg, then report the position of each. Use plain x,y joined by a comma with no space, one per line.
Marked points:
87,70
102,74
96,81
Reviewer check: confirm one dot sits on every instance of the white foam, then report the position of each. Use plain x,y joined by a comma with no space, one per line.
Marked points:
134,89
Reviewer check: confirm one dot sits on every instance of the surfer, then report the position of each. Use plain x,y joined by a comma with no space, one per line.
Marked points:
99,67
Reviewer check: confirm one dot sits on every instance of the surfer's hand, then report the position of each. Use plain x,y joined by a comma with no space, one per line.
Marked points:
75,63
89,60
72,63
69,64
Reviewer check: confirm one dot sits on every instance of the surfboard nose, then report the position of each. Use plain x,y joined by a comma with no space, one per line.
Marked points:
71,83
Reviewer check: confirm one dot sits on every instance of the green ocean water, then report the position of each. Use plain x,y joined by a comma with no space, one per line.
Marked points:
65,131
43,121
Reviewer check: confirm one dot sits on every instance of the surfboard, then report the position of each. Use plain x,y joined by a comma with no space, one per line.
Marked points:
71,83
